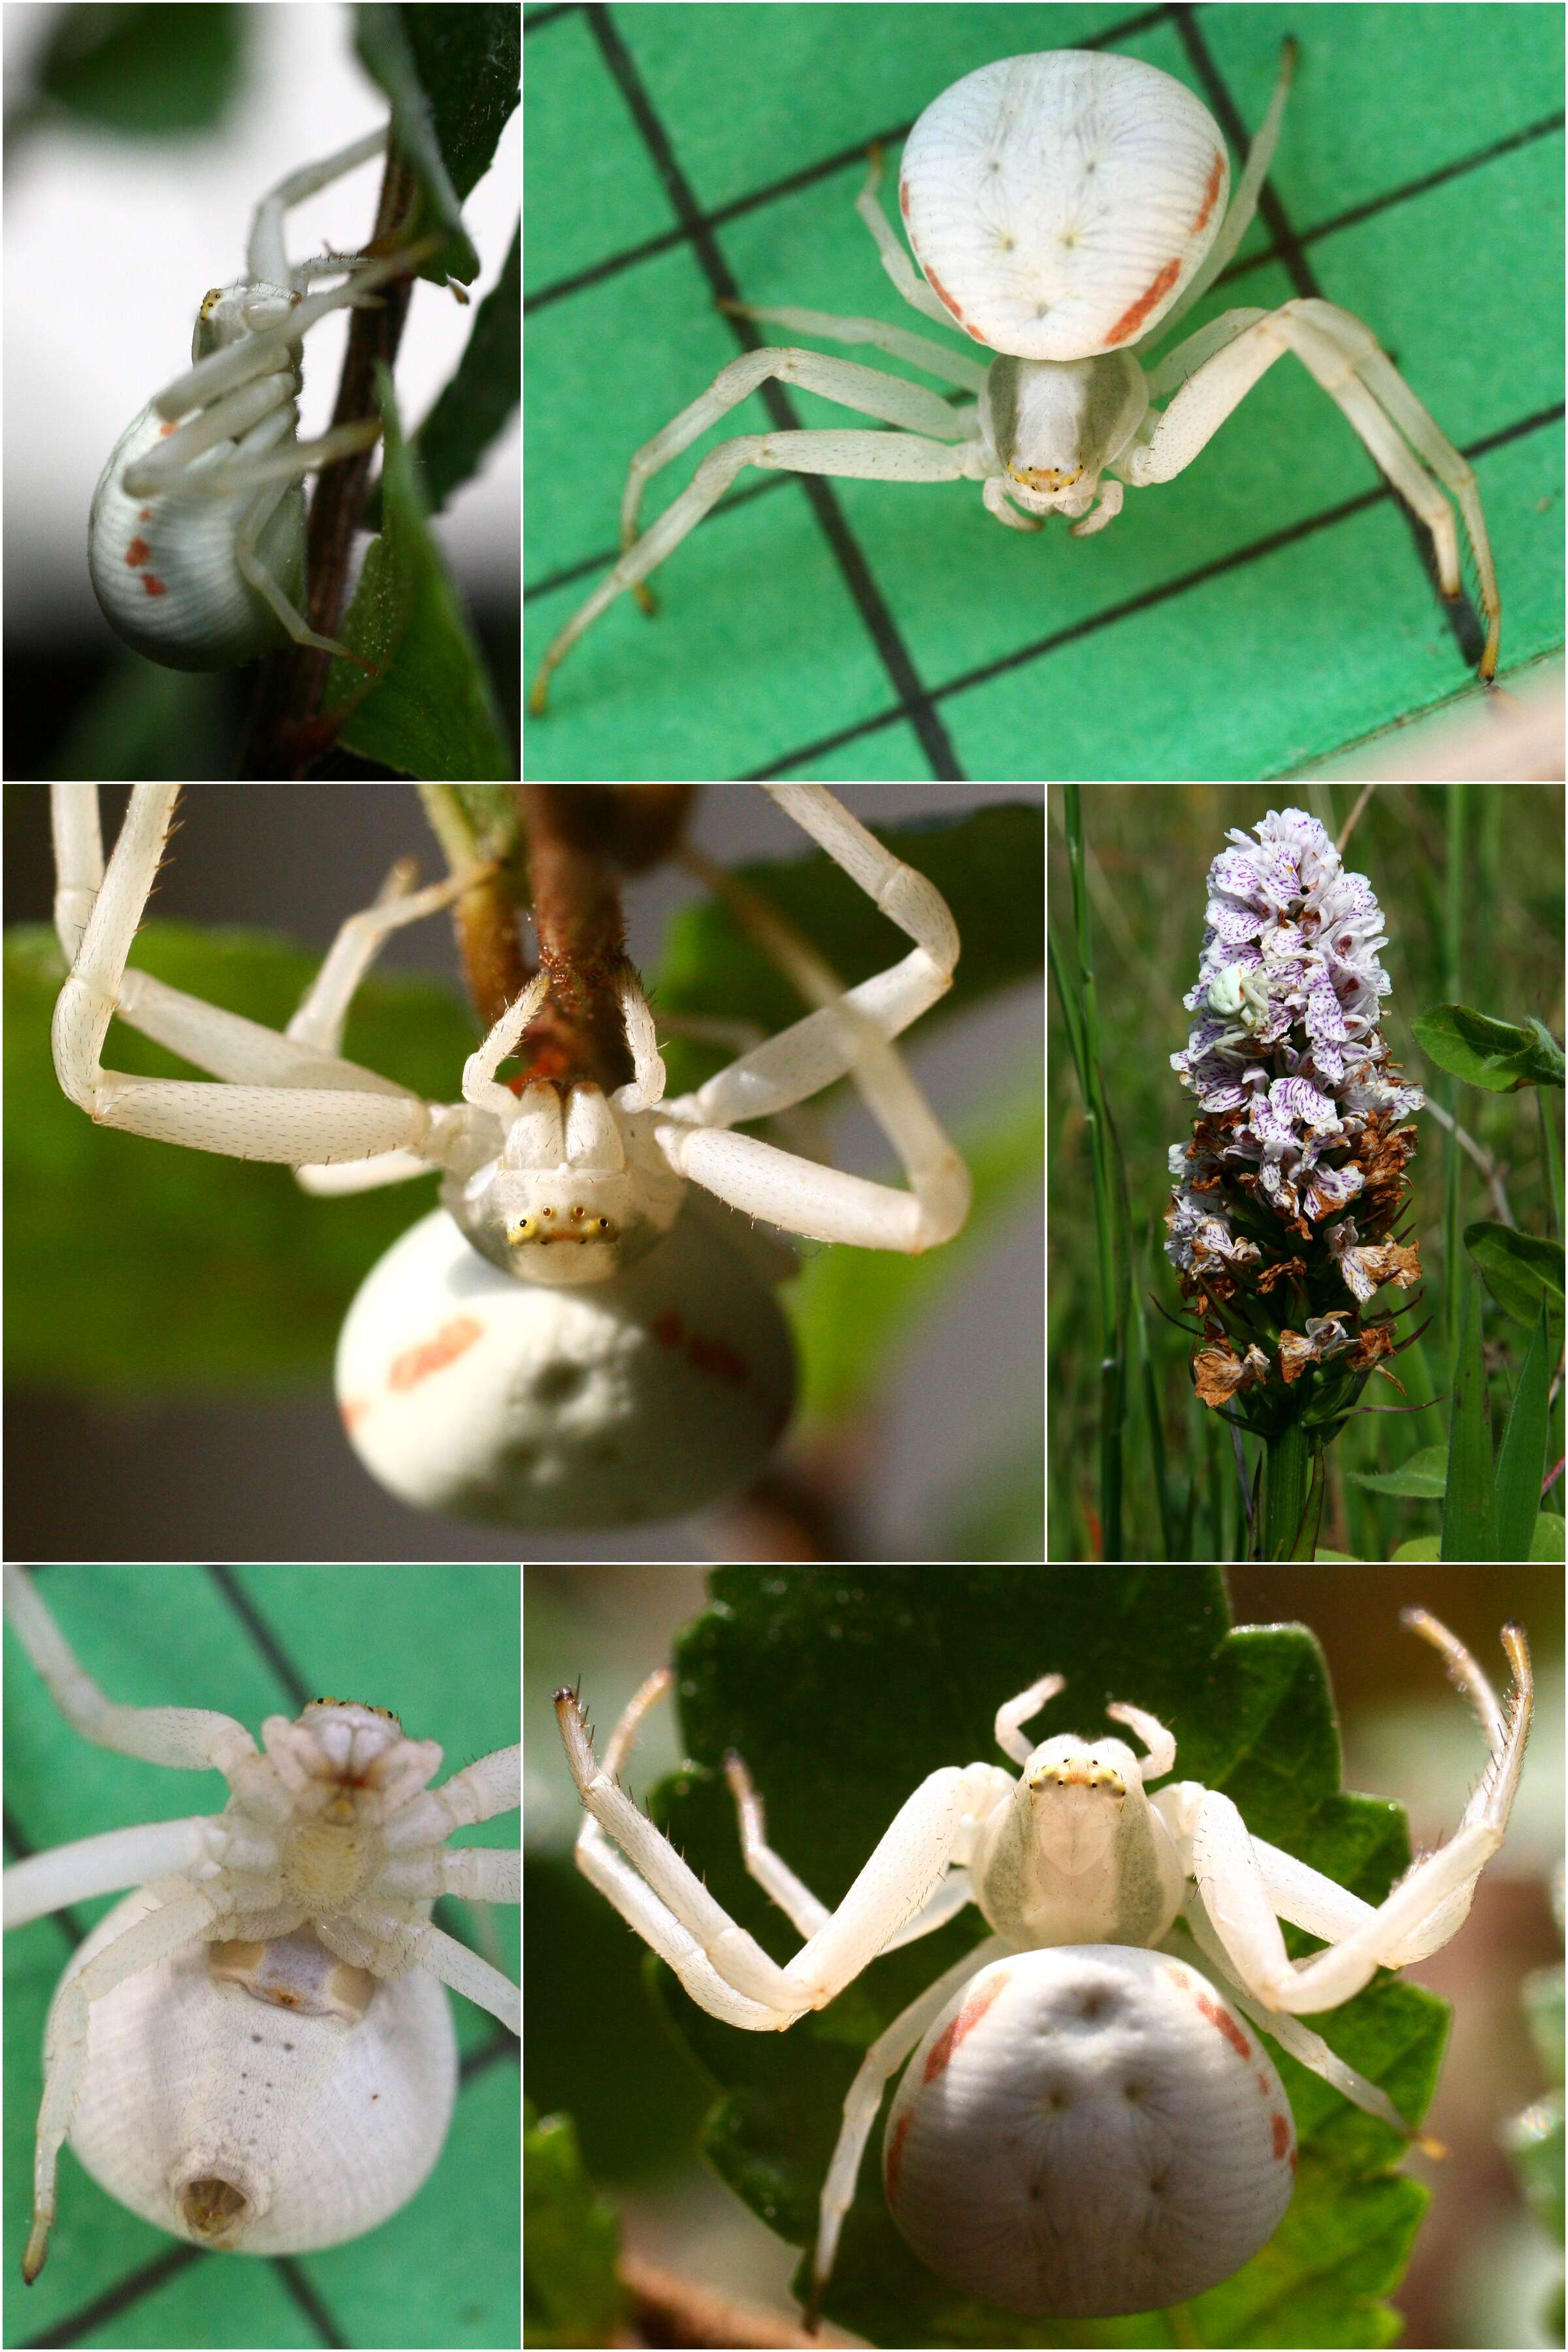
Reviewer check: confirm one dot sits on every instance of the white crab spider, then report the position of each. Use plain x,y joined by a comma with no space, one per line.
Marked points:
1067,1864
1238,993
557,1185
197,539
295,1922
1066,209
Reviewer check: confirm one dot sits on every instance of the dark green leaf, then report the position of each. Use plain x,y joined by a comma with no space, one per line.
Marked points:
1422,1476
145,73
1521,1459
1550,1531
432,712
1469,1530
841,1689
474,406
1521,1270
451,78
1496,1055
571,2293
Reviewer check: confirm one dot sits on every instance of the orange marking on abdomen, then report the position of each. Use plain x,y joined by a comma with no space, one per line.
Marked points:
1220,2017
1210,193
943,296
1133,317
154,587
1282,2136
940,2055
164,431
137,552
416,1364
896,2154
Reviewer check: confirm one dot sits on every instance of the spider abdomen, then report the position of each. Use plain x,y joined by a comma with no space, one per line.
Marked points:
1059,203
164,568
261,2107
1088,2130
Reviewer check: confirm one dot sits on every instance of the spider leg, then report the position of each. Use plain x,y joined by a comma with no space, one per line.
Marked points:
864,2097
722,1967
849,1034
285,1100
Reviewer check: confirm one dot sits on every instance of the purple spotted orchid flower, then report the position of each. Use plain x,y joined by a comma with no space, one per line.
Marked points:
1281,1221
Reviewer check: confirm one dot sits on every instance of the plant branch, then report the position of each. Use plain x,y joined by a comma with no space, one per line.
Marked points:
285,735
574,885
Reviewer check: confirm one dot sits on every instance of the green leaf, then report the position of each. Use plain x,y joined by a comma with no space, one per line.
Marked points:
1469,1530
1419,1548
432,713
1521,1270
452,78
571,2293
475,403
1549,1532
139,1268
1521,1459
145,73
1422,1476
1496,1055
841,1689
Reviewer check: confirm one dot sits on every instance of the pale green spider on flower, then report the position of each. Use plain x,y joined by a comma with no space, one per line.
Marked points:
1238,994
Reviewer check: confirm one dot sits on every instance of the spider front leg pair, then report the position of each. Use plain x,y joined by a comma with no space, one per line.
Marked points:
197,539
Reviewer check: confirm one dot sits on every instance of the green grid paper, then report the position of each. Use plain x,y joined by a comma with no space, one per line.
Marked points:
440,1646
760,653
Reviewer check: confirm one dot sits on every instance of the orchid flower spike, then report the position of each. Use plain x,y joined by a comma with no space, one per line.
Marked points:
1280,1226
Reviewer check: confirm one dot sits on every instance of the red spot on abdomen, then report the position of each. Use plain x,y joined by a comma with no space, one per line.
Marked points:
352,1412
416,1364
904,198
1282,2136
137,552
1133,317
943,296
1216,175
940,2055
1221,2019
153,587
164,431
895,2156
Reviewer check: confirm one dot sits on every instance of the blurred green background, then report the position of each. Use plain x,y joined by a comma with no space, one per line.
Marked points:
439,1646
1149,849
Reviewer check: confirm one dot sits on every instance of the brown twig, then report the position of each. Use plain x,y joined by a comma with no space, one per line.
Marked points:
285,735
576,888
669,2309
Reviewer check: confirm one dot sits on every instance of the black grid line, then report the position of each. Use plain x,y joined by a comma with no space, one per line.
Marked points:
846,551
915,702
150,2277
1238,559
